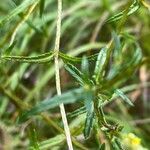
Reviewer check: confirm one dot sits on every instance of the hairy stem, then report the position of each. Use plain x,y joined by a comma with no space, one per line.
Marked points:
57,75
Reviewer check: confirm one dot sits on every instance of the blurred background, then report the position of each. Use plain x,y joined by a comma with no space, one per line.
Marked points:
84,32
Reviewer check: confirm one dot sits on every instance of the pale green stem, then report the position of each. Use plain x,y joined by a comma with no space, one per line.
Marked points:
57,75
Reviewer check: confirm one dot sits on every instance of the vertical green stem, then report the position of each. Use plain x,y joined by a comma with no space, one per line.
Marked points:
57,75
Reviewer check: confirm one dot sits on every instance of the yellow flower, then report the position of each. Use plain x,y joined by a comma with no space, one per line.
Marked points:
131,141
134,139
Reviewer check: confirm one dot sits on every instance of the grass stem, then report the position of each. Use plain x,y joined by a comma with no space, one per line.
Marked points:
57,75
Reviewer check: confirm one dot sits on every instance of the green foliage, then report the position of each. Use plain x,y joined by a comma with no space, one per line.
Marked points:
102,147
52,142
101,63
107,56
88,102
16,11
124,97
33,139
44,58
129,11
42,4
68,97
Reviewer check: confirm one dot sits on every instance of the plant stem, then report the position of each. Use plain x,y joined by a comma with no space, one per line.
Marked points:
57,75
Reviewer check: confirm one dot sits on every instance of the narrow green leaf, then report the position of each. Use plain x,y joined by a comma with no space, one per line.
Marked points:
89,122
118,143
102,147
3,105
42,4
115,17
66,98
114,145
44,58
35,28
85,66
88,100
137,57
77,74
117,44
99,68
132,9
70,59
77,112
102,116
32,25
33,139
124,97
16,11
10,48
57,140
127,68
101,63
